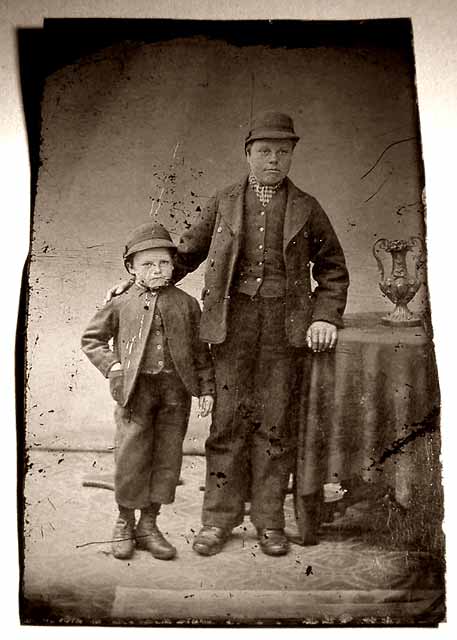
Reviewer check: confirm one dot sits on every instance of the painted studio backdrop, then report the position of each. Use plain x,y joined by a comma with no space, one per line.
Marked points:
141,128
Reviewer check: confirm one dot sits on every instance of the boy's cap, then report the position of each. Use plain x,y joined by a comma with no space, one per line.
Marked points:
150,235
272,125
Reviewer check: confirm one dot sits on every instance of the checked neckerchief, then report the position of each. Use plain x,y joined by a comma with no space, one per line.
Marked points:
264,192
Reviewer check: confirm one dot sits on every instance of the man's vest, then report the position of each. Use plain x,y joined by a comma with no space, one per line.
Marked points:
260,266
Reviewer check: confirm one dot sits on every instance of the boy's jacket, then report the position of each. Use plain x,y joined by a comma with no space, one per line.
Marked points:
128,323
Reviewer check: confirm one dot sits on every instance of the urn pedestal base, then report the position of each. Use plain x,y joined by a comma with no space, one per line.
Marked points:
401,316
401,323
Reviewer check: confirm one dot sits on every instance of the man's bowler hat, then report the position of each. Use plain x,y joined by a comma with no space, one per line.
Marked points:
150,235
272,125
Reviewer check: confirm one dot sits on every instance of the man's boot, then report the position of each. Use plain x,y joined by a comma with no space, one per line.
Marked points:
123,540
149,537
273,542
210,540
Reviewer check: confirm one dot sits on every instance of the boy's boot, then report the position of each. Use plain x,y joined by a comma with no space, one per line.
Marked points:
149,537
123,542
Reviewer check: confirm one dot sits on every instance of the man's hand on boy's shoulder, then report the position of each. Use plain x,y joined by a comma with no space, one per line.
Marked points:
205,405
118,289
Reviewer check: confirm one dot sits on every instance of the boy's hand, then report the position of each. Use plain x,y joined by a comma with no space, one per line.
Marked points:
321,336
118,289
116,383
205,406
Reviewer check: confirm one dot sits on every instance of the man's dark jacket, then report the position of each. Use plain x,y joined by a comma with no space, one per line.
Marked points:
125,319
308,238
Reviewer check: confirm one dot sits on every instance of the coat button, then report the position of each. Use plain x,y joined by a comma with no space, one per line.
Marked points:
219,229
305,234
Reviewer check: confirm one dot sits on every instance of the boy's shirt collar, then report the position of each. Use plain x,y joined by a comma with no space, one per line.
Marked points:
142,289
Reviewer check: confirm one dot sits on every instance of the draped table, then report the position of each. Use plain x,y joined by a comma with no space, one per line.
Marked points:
369,410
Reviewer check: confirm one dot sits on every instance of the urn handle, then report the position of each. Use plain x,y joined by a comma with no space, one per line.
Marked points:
419,261
381,243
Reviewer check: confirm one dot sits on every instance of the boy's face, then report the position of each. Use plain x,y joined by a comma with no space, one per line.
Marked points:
152,267
270,160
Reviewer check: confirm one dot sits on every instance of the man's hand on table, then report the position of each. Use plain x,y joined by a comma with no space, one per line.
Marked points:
321,336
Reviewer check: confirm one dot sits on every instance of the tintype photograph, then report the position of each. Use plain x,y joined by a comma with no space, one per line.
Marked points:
230,398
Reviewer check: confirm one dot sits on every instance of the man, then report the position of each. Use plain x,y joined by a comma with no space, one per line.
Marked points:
259,237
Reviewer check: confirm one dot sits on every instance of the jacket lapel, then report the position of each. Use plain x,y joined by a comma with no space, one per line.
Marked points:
138,320
172,318
231,206
296,215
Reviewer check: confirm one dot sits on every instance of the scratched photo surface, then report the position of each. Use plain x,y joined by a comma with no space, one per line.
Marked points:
130,122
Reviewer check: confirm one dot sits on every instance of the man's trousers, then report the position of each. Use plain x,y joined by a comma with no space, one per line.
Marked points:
251,439
149,436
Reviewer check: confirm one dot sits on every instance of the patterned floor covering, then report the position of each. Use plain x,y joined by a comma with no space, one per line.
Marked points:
70,576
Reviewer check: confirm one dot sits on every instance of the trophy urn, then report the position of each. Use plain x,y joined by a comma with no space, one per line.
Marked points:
400,287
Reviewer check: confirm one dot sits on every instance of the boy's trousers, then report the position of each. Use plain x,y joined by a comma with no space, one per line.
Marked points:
149,436
251,427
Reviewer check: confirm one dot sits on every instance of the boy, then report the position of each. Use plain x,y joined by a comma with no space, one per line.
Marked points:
156,364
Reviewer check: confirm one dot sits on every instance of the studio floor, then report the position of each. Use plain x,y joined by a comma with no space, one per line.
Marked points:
357,574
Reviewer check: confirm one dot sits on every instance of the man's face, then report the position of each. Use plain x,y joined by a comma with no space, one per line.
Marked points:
270,160
152,267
